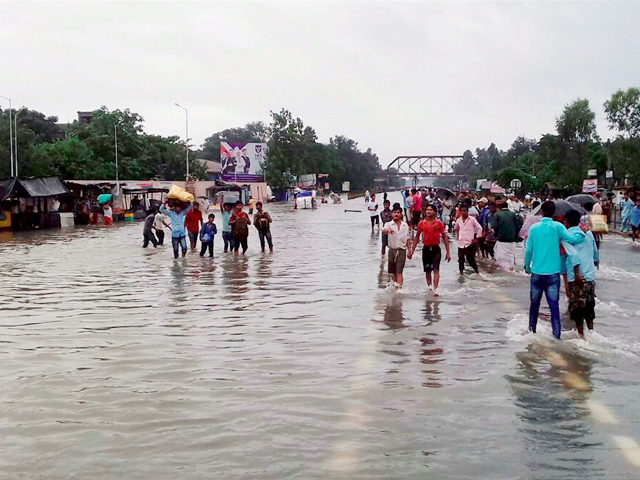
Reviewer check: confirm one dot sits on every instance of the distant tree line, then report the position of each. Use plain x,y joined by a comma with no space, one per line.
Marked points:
88,151
564,157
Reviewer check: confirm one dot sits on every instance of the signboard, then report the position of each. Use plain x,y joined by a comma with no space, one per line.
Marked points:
609,173
242,162
479,183
308,180
592,173
346,186
590,185
495,188
515,183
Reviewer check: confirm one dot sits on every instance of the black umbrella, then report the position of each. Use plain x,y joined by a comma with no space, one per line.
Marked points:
582,199
443,192
562,208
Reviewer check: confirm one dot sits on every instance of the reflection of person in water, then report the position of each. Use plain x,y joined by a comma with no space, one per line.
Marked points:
247,160
552,421
393,314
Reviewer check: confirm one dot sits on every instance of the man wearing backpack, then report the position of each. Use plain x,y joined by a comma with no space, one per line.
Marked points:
262,222
239,222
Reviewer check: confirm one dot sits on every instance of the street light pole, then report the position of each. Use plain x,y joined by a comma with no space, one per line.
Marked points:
10,134
115,136
186,141
15,135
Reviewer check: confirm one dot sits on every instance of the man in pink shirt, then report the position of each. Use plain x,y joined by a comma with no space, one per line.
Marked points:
416,210
468,230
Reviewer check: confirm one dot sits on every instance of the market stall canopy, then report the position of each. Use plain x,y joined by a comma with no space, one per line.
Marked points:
32,187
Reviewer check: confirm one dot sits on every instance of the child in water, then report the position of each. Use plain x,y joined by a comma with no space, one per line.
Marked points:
207,233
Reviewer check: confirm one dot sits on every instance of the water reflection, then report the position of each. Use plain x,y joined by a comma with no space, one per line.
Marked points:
393,313
551,386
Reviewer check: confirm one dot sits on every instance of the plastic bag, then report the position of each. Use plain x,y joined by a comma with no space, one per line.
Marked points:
179,193
598,224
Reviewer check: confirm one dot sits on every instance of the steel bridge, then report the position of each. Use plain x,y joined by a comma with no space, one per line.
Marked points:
424,166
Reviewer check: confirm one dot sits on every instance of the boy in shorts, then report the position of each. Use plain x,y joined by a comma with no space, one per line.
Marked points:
386,216
399,238
582,259
431,230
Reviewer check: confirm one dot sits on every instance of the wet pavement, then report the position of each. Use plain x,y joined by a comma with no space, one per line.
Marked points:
119,362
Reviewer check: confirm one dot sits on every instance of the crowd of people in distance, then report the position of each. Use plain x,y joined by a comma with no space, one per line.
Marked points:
555,246
186,220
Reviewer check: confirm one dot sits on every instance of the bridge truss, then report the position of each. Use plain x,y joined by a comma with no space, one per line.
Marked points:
424,166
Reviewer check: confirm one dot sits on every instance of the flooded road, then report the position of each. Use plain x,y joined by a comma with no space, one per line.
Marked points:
119,362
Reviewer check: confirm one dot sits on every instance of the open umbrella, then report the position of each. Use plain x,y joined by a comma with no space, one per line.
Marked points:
443,192
581,199
562,208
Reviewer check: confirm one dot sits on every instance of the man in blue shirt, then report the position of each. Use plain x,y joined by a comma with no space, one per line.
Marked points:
626,206
178,232
542,261
582,260
634,219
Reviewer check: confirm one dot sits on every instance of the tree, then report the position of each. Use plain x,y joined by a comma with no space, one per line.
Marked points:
576,128
623,112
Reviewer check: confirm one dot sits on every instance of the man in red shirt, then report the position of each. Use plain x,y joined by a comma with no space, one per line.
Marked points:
431,230
192,222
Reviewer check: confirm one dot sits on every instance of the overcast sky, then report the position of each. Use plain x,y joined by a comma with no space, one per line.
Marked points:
401,78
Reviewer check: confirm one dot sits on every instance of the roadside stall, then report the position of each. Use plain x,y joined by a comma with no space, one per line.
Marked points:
137,201
32,203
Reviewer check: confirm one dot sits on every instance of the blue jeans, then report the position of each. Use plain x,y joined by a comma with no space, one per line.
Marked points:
179,242
228,240
550,286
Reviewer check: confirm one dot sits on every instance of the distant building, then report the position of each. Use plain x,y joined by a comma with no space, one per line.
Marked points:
85,117
214,169
61,132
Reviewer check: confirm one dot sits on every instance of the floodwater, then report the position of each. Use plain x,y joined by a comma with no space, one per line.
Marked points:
119,362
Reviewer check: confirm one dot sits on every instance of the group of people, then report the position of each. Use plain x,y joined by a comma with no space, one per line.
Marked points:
186,220
552,248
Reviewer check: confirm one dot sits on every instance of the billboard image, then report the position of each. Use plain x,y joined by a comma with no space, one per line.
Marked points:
242,162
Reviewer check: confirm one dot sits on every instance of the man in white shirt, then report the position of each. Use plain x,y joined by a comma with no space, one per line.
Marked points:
514,204
399,239
372,207
159,222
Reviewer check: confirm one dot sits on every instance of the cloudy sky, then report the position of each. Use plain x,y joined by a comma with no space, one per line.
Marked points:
402,78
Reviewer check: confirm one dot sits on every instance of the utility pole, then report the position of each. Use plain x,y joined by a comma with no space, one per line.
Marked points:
186,139
10,134
15,135
115,136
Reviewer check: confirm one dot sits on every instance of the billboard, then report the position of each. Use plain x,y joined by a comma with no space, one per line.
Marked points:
590,186
241,162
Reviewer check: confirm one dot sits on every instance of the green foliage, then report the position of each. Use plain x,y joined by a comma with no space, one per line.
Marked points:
294,151
623,112
88,152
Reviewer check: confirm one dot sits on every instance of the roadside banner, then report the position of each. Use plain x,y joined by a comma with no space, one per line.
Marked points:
590,185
